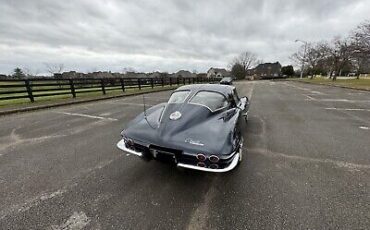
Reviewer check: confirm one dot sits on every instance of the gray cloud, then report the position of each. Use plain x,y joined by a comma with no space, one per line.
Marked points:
164,35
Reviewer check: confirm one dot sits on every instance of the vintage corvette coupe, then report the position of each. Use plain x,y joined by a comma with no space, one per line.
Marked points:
198,128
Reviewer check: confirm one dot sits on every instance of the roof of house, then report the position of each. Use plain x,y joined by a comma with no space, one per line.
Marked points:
271,66
223,71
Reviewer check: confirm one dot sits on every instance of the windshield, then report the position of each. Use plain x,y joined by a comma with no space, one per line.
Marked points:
179,96
212,100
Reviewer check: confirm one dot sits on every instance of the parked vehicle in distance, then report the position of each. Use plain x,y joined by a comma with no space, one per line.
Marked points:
198,128
226,81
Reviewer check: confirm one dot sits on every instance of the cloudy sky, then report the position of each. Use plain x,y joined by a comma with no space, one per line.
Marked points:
165,35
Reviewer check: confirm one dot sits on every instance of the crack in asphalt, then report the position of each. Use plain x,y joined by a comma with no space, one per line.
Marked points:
15,139
200,216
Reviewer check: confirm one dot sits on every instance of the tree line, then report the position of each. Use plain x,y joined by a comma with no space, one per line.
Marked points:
337,57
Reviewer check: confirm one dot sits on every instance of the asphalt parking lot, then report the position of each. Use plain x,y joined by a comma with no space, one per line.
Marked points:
307,166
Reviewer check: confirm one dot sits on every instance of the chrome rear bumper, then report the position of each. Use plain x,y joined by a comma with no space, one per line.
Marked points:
121,145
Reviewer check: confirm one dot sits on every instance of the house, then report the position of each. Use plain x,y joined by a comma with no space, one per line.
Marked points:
135,75
201,75
100,74
184,74
154,75
264,71
69,75
218,73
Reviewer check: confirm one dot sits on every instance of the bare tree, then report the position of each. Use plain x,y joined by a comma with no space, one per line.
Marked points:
360,46
339,53
242,63
246,59
53,68
361,36
311,55
30,73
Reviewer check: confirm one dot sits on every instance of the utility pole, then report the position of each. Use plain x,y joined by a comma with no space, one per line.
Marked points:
304,55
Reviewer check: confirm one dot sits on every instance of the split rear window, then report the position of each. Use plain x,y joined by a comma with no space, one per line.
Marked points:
179,96
212,100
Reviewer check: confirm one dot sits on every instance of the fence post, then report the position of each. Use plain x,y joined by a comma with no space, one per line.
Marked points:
184,81
72,86
122,84
29,90
152,82
178,82
139,83
170,81
102,85
162,81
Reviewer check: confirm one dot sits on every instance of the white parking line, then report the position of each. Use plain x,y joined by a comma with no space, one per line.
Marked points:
309,97
346,109
364,127
88,116
305,89
336,99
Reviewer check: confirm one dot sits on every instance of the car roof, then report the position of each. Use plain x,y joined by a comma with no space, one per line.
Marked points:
224,89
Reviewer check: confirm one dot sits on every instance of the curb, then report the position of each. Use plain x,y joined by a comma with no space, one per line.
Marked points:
34,108
338,86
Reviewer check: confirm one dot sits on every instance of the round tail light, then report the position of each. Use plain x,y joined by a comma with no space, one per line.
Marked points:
201,157
129,142
214,159
201,164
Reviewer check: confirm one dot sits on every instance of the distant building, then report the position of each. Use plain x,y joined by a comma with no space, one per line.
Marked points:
184,74
218,73
69,75
135,75
100,74
3,76
265,71
156,75
201,75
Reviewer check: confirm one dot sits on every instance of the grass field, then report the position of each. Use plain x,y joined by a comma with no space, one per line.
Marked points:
354,83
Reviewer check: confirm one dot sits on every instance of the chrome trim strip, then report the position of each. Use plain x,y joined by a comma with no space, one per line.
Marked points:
121,145
232,165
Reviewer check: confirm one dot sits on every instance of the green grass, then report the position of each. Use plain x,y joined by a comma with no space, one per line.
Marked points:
24,102
354,83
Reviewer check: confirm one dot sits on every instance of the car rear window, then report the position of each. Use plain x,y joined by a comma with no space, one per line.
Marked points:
179,96
212,100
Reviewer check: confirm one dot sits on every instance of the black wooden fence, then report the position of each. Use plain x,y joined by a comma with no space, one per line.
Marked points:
11,89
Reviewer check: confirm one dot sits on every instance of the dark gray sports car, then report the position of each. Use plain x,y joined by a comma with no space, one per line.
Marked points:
198,128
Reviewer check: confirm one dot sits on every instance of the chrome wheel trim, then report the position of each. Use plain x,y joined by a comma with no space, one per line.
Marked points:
241,150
